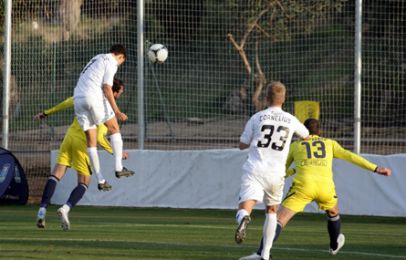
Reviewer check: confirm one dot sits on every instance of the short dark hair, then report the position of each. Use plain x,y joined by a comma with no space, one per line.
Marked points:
117,85
118,49
313,125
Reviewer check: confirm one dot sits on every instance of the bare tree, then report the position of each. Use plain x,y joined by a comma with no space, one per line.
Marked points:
275,20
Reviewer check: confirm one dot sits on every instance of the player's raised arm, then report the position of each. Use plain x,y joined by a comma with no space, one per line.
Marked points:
67,103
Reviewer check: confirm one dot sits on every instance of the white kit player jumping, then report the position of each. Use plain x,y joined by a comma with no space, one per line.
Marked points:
268,135
94,104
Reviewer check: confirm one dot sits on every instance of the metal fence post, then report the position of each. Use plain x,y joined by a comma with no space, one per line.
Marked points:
7,72
357,76
140,73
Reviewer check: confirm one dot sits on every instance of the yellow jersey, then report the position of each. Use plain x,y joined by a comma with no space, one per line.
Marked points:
314,158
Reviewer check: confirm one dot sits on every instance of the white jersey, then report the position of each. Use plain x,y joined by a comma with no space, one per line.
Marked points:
269,134
100,70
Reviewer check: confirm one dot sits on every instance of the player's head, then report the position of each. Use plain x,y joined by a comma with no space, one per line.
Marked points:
120,53
275,93
313,125
118,88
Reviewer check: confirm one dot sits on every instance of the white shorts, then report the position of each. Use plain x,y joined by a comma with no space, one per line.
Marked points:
92,112
267,188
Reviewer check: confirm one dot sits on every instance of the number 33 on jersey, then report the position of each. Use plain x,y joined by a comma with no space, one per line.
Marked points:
269,134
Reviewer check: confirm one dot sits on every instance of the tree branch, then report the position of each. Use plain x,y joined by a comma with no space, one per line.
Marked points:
241,51
260,80
240,47
253,25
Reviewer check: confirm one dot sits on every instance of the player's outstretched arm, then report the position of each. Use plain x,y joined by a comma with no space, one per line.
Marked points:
383,171
67,103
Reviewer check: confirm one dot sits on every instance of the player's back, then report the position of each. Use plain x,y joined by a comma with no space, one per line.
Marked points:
269,133
313,157
93,76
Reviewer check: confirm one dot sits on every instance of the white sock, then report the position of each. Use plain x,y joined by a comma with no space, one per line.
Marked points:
94,160
42,212
66,207
117,144
240,215
268,234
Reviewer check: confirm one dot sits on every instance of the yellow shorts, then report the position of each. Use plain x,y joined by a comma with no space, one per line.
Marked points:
73,153
303,192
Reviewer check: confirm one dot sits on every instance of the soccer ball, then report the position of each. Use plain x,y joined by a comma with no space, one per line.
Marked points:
157,53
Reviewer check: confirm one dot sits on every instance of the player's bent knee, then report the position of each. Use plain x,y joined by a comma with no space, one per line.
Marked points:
84,179
112,125
332,213
272,209
114,130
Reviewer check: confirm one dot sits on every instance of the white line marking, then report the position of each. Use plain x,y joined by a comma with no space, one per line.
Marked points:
183,244
341,252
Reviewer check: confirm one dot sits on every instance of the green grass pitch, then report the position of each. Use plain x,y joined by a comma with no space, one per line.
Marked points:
162,233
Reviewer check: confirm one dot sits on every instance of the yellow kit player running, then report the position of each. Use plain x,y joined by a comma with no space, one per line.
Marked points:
313,181
73,153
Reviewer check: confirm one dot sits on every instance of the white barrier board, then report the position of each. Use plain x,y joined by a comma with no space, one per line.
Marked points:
211,179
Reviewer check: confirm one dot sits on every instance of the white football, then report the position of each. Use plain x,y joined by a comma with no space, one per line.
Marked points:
157,53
